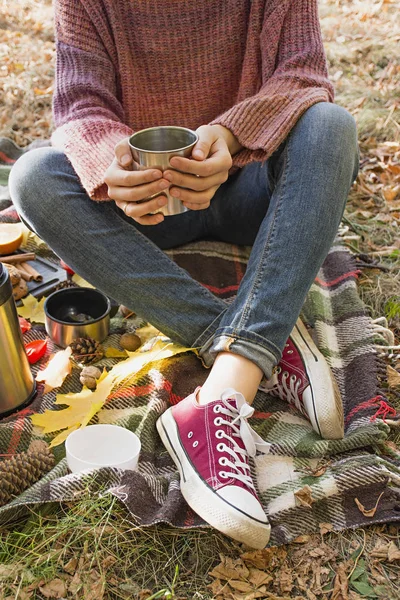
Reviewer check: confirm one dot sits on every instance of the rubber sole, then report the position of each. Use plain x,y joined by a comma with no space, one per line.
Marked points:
325,408
216,511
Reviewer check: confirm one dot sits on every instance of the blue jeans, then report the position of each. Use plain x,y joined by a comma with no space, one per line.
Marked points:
287,208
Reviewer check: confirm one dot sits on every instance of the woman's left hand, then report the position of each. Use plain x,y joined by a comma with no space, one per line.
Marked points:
207,169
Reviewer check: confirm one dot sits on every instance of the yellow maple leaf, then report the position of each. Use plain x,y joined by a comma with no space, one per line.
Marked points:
82,406
112,352
80,281
32,309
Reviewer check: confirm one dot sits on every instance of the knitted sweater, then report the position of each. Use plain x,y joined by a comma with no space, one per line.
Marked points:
253,66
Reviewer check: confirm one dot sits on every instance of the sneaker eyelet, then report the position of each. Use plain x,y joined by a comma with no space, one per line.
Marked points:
293,377
195,444
290,352
222,461
278,370
216,408
286,345
223,475
190,434
221,447
218,421
219,434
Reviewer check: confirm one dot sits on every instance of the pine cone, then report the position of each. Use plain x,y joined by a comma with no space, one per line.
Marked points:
23,470
86,350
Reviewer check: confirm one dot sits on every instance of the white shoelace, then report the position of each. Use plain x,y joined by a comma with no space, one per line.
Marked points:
252,441
282,390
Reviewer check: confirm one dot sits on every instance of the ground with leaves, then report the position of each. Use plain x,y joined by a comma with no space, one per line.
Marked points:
90,550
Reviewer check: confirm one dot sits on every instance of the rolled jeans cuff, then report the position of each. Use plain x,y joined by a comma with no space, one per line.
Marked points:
245,343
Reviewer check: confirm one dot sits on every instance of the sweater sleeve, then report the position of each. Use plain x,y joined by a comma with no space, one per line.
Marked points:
296,81
88,116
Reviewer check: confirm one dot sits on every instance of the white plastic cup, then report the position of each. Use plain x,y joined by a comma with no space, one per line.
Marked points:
98,446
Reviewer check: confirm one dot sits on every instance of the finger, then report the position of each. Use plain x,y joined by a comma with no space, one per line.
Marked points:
116,176
220,160
123,153
150,219
203,147
195,198
137,210
193,182
137,193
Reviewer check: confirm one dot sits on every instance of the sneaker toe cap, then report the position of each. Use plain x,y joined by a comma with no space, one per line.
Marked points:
244,501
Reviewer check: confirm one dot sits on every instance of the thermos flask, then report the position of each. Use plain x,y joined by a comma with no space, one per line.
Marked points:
17,385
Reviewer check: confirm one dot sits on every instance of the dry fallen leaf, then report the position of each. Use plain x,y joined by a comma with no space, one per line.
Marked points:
54,589
304,496
70,566
368,512
301,539
341,585
393,552
325,528
229,568
267,558
393,376
58,367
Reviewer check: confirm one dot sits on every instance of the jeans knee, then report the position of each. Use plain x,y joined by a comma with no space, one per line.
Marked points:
32,181
332,131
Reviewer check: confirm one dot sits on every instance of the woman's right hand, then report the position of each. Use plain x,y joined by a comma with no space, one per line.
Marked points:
127,185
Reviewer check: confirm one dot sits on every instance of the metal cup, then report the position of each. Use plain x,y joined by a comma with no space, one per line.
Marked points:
154,147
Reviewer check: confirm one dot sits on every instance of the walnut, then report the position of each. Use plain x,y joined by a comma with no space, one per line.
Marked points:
130,341
89,377
15,276
20,290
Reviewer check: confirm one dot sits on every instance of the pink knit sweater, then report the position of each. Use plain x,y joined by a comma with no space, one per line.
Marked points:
253,66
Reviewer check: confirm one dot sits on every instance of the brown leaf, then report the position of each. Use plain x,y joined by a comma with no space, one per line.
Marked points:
75,584
304,496
258,578
393,376
285,578
71,565
390,193
241,586
368,512
393,552
341,586
94,590
217,587
301,539
229,569
108,562
267,558
54,589
325,528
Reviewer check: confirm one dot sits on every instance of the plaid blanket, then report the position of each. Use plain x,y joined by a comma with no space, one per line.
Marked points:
304,481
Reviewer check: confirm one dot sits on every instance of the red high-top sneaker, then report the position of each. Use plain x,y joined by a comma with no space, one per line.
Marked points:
303,378
210,446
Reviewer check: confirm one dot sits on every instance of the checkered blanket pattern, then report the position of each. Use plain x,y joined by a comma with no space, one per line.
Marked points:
331,473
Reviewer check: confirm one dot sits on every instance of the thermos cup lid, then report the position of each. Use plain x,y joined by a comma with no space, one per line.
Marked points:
5,286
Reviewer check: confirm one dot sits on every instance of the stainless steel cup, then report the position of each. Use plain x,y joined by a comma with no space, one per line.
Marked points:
72,313
154,147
